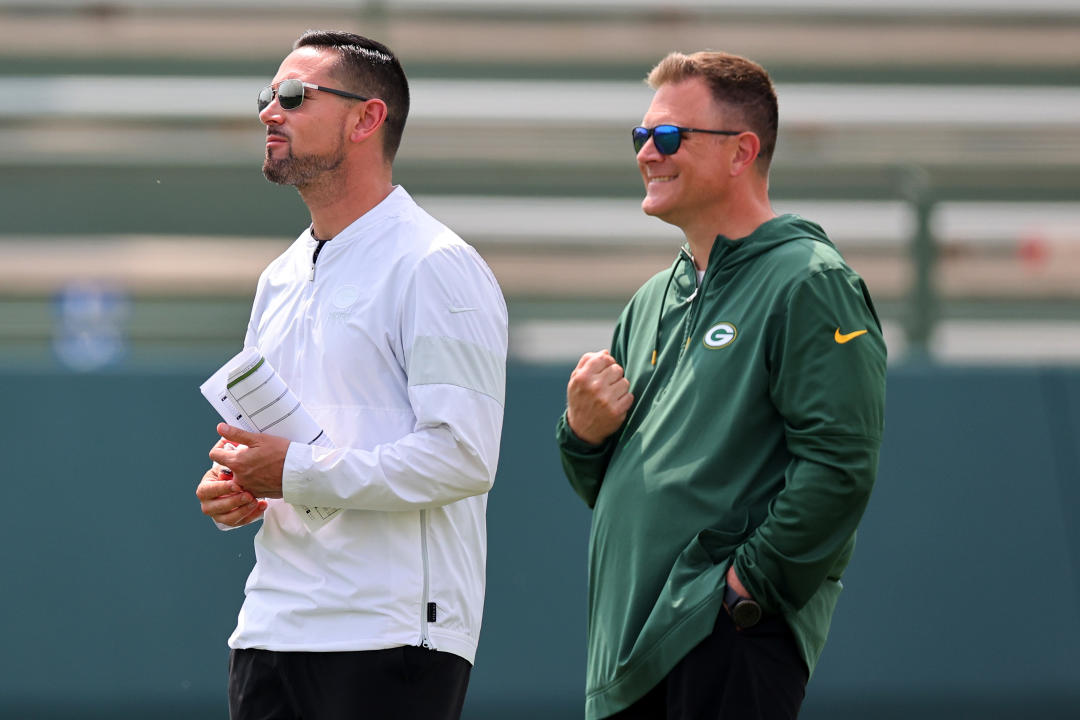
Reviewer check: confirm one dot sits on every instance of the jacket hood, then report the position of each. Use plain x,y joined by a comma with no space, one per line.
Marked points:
773,233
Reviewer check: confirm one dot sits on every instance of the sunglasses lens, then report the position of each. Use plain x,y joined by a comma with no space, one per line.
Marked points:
667,139
290,94
266,96
640,136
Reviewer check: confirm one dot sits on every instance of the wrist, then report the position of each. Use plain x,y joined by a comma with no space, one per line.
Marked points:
592,443
744,611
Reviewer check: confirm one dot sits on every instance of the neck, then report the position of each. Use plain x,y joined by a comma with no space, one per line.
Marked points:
337,199
738,216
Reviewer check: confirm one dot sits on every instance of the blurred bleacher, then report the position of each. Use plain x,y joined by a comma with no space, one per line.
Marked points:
937,142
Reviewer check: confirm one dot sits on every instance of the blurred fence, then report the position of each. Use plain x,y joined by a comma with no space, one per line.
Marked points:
962,601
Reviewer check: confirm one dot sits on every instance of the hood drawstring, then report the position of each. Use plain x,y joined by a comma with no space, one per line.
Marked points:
683,255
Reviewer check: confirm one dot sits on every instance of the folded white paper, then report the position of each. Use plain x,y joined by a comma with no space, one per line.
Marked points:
249,394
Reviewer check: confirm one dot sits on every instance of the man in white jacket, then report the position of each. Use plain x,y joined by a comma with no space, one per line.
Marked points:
391,331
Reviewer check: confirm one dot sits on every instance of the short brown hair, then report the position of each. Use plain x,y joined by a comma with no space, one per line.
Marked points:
736,83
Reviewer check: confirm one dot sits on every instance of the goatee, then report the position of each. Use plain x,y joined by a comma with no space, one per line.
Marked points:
300,171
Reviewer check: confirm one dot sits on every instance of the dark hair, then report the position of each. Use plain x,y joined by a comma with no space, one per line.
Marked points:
371,69
736,83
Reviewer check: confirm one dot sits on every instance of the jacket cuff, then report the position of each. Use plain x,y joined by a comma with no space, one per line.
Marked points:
571,444
294,480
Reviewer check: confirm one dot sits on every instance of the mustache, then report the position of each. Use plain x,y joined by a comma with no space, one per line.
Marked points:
276,133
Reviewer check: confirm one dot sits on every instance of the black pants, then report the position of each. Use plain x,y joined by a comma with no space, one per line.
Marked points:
752,674
402,683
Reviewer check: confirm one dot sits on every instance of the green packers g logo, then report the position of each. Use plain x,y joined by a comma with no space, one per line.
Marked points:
720,335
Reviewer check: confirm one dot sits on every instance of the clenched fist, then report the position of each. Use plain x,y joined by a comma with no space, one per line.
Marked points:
597,397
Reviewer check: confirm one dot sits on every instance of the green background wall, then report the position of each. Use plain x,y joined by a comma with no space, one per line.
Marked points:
963,600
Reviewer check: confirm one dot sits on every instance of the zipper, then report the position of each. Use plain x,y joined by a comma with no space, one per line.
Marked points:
691,319
692,316
686,322
315,257
307,297
425,639
692,313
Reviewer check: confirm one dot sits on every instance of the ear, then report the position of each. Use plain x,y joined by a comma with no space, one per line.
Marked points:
366,120
748,145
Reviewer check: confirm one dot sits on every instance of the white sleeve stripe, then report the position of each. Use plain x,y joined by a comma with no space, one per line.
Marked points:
448,361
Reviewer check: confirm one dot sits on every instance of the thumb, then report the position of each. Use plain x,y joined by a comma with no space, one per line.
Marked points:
235,435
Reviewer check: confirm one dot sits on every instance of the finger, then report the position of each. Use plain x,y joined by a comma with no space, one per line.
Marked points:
225,456
591,388
229,511
219,456
587,358
235,435
260,508
233,518
210,489
593,366
217,510
207,489
602,359
214,484
613,373
602,382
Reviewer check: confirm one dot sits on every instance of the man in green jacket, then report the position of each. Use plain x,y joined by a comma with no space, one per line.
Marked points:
728,441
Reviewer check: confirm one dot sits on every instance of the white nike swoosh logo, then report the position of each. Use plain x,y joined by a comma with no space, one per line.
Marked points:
461,309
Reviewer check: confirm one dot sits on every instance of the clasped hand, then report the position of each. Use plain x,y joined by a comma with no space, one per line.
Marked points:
256,461
598,397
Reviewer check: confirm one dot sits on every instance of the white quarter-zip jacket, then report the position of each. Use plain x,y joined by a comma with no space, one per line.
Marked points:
394,340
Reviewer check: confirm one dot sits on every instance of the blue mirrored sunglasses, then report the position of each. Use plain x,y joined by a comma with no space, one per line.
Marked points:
667,138
290,93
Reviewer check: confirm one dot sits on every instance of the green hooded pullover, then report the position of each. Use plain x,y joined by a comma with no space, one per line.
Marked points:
752,440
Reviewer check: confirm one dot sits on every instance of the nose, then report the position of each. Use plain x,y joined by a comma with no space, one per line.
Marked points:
272,114
648,152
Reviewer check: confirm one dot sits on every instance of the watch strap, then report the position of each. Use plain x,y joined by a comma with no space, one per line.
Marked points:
745,613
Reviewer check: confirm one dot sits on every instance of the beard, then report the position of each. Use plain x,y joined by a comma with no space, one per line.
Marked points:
302,171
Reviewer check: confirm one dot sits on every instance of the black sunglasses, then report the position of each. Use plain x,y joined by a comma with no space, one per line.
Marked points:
290,93
667,138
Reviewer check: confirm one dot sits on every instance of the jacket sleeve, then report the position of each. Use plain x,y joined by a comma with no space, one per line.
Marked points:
452,336
828,384
585,464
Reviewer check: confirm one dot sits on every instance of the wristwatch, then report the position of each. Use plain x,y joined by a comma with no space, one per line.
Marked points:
746,613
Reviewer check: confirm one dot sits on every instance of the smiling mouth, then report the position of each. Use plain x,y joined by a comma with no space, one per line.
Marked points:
661,178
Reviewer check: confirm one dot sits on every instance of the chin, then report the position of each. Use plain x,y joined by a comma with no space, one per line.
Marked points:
653,207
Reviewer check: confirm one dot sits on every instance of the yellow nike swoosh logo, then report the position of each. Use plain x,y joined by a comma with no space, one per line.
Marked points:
842,338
